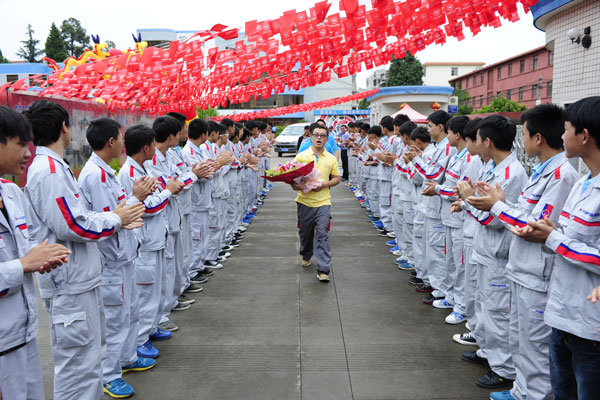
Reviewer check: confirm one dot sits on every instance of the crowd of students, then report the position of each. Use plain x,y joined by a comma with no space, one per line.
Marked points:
510,255
119,252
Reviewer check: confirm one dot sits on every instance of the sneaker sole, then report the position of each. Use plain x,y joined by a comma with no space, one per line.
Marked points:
454,323
474,362
323,279
215,267
138,369
194,290
424,290
443,307
190,302
181,309
506,384
406,268
116,396
459,341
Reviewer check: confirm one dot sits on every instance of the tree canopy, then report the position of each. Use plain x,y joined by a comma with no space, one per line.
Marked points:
29,52
2,58
55,45
463,98
405,71
75,37
502,104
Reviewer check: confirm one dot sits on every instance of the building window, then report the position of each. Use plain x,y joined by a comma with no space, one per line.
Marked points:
481,101
521,93
424,71
466,84
474,80
534,91
12,78
510,69
499,73
535,62
509,93
549,89
454,71
522,66
550,58
482,75
459,85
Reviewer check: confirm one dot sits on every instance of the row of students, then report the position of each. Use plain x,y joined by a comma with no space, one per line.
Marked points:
512,255
129,246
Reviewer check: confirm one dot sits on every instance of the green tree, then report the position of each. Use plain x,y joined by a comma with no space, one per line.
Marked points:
75,37
363,104
463,101
502,104
2,59
405,71
110,44
29,51
209,112
55,46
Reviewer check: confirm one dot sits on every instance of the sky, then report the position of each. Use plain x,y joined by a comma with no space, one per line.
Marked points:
117,20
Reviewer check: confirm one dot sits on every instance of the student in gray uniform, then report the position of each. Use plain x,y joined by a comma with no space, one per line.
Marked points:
72,293
575,322
103,192
20,258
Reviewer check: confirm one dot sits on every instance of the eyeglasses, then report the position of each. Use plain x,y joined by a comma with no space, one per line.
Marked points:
316,136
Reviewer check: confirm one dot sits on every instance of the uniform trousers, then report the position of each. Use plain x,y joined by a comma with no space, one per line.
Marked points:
21,374
149,267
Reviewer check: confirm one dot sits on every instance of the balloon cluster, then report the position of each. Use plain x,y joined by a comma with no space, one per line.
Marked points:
297,50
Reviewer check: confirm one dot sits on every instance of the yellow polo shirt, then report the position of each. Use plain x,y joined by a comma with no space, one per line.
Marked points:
328,165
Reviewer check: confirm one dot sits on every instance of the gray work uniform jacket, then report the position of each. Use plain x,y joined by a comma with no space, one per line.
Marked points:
201,190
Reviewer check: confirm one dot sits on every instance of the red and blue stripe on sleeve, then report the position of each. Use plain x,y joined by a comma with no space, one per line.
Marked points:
75,227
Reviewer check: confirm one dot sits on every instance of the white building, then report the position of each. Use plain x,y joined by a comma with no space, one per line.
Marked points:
439,73
377,79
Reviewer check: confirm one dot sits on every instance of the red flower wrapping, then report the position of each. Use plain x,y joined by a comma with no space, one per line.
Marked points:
289,177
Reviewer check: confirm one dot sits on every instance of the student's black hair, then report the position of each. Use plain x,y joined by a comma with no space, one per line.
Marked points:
307,127
351,125
13,125
222,129
100,131
238,126
387,122
212,127
250,125
547,120
421,133
439,117
407,127
197,128
457,125
182,119
585,114
365,127
375,130
400,119
315,125
164,127
322,120
470,130
500,130
261,126
46,119
227,122
246,134
136,137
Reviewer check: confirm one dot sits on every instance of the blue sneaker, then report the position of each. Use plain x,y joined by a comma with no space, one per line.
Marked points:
378,224
246,220
395,248
442,303
250,215
118,388
147,350
400,261
503,395
160,334
142,364
391,243
406,266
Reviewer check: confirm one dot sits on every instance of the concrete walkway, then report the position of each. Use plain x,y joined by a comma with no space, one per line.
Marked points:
264,328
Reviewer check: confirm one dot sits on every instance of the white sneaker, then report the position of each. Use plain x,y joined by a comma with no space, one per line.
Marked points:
397,253
442,304
467,325
242,229
391,235
455,318
465,338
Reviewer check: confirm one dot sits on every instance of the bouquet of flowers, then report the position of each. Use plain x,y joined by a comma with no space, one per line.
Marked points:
295,172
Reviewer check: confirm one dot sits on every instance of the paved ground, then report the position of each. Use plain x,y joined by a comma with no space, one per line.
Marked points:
264,328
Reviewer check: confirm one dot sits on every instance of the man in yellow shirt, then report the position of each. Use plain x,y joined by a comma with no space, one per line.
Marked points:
314,207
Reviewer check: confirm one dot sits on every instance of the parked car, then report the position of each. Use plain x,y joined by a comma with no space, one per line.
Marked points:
287,140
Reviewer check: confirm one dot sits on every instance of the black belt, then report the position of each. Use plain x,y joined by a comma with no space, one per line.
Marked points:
5,352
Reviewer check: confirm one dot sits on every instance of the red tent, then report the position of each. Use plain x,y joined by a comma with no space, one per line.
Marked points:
414,116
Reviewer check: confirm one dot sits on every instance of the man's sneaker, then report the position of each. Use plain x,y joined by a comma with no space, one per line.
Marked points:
242,229
235,243
400,261
442,303
503,395
118,388
305,263
245,222
492,380
194,287
383,233
198,279
147,350
397,253
378,224
227,248
322,276
393,249
221,259
413,280
455,318
181,307
391,243
161,334
424,288
206,272
224,253
406,266
391,234
213,264
413,273
472,357
183,299
168,326
142,364
468,326
465,338
430,299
